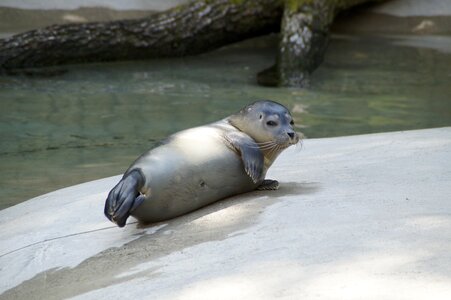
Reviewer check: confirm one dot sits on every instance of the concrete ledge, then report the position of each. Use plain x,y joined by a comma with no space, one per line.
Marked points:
361,217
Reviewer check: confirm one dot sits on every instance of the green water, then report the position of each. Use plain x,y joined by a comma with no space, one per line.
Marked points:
94,120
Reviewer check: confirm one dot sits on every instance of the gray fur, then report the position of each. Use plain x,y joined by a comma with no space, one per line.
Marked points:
201,165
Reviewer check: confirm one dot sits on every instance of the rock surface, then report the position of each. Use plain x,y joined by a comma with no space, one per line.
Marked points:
360,217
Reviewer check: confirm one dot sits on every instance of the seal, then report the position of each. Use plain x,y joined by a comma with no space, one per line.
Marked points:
201,165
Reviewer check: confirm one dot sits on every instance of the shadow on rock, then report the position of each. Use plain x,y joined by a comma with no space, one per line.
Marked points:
115,265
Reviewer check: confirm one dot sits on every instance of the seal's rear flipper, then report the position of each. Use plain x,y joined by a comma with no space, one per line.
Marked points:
124,198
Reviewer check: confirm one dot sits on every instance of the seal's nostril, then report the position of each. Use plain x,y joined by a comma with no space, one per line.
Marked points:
291,134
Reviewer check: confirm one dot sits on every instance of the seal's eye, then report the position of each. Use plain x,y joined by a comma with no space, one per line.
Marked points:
271,123
292,122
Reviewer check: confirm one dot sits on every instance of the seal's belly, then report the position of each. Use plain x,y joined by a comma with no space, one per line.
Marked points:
189,172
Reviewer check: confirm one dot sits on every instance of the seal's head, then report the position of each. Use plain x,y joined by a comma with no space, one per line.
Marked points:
269,123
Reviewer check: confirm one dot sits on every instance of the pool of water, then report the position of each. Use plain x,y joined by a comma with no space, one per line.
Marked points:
94,120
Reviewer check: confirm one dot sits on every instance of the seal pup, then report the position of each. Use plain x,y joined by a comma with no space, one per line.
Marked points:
201,165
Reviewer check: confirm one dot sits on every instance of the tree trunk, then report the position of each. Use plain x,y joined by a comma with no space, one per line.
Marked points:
188,29
304,37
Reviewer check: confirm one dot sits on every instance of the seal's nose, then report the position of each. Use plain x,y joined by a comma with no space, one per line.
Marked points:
291,134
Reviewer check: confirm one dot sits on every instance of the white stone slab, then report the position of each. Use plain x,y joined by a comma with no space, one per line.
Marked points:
74,4
410,8
362,217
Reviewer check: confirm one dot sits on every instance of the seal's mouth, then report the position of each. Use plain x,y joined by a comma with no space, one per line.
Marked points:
277,146
294,139
274,147
284,146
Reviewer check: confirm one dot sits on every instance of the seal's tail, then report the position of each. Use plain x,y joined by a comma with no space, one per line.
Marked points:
124,198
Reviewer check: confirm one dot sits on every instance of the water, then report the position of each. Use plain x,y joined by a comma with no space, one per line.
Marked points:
94,120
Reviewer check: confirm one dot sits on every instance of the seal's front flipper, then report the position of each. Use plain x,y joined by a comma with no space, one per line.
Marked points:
250,153
124,198
268,184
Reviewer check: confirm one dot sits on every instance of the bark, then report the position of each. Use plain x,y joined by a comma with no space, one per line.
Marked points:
303,40
188,29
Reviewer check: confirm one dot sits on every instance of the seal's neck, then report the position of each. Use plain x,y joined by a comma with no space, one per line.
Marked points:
236,121
270,156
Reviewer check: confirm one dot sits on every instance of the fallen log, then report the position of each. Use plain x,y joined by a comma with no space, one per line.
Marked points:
188,29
